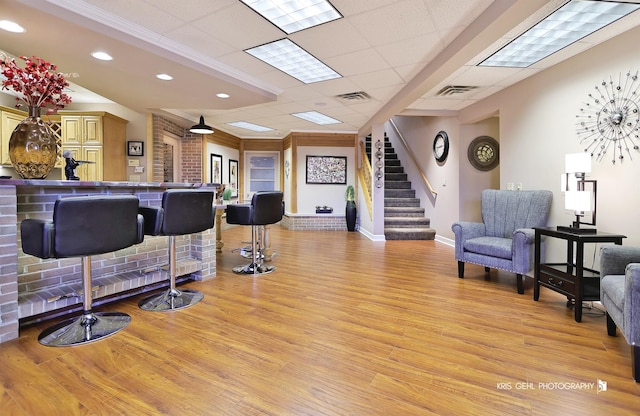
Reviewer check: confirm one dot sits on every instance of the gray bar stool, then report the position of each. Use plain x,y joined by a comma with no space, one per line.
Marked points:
82,227
184,211
266,208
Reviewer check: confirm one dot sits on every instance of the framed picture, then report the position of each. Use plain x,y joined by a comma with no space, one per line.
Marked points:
327,170
135,148
233,177
216,168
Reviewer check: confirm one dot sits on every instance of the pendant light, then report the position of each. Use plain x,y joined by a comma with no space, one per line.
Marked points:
201,128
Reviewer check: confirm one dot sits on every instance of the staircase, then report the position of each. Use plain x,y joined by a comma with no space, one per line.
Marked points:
404,219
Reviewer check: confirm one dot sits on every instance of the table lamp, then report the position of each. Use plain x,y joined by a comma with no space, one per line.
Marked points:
577,198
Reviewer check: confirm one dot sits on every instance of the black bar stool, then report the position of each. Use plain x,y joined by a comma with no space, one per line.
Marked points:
184,211
82,227
266,208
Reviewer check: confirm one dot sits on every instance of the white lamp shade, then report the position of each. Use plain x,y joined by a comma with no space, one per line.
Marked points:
577,163
577,200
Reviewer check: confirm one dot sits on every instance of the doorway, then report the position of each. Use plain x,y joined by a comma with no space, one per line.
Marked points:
171,160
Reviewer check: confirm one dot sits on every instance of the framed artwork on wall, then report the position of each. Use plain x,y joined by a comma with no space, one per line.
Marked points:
216,168
233,177
327,170
135,148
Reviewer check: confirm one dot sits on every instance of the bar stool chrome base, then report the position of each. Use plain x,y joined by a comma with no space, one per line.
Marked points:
85,329
254,269
171,300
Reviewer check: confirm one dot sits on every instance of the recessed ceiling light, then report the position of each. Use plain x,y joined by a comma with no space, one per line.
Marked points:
103,56
294,15
291,59
164,77
316,117
570,23
10,26
249,126
222,95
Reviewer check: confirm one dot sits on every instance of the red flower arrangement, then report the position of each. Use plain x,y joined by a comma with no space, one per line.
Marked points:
37,84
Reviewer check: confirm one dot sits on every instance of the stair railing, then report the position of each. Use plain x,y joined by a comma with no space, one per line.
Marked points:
413,158
365,174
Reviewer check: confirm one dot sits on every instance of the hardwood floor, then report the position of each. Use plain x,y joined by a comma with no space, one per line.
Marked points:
344,326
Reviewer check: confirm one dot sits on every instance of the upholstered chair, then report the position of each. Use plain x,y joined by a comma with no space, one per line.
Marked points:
620,295
505,237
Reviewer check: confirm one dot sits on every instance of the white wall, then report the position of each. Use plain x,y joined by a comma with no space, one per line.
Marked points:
538,127
226,153
288,179
310,196
472,180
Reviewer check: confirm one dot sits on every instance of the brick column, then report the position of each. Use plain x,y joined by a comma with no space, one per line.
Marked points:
8,264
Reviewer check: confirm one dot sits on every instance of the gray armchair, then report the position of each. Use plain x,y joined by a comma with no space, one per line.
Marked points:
620,294
504,239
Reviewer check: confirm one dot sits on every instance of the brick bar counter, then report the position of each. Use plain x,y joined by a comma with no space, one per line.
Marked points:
32,289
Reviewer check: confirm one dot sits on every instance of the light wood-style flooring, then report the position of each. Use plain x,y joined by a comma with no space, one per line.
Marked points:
344,326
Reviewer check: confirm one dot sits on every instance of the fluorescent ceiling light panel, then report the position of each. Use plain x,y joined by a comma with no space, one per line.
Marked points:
570,23
294,15
315,117
293,60
249,126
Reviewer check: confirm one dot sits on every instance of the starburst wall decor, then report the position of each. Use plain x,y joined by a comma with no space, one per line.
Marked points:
609,123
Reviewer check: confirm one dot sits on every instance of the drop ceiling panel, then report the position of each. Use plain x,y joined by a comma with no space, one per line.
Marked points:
411,51
322,41
410,19
239,26
377,79
357,63
190,10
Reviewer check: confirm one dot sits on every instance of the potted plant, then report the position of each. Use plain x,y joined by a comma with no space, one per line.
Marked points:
226,194
350,210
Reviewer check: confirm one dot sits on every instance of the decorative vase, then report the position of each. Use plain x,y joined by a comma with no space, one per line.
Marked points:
351,215
32,147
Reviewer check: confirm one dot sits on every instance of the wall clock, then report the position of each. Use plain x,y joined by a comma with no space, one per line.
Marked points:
441,146
484,153
609,123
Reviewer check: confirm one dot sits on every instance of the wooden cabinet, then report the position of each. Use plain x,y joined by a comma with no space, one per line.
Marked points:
8,122
97,137
81,130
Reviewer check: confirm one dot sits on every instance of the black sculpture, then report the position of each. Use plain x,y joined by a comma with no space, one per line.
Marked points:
70,167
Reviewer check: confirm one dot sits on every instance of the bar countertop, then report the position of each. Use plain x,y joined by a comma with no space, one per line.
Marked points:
101,184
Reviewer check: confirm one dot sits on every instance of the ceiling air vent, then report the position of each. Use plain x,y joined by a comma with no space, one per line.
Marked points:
455,89
352,97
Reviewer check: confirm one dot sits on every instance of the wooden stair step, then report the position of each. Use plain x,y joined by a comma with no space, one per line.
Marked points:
409,234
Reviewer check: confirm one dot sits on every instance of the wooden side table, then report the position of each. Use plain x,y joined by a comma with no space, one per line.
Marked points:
571,279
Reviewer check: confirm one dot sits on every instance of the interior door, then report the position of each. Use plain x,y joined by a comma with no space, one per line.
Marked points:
262,170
